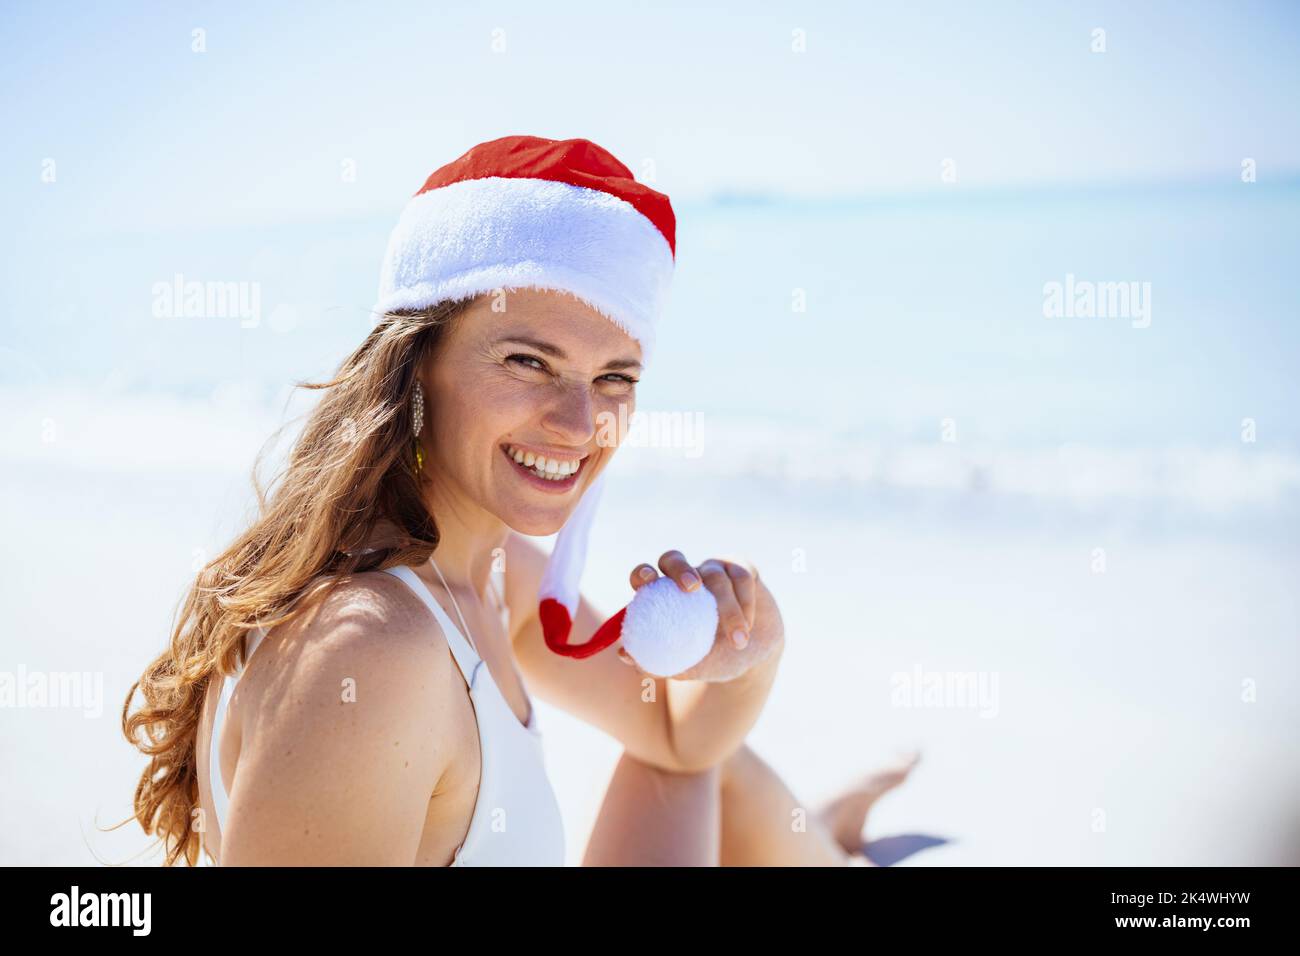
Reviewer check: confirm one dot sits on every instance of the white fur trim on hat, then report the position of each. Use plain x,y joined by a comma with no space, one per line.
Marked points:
480,235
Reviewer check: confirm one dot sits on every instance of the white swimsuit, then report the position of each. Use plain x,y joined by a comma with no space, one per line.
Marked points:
516,819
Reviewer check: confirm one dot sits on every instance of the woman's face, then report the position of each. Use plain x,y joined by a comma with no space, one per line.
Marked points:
535,374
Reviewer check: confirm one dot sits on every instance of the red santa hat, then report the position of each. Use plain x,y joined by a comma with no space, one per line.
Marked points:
529,212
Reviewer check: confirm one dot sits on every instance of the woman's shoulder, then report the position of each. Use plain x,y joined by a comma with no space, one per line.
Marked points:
351,725
368,634
360,666
352,612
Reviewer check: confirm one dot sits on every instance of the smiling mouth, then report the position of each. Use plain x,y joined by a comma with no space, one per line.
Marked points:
549,474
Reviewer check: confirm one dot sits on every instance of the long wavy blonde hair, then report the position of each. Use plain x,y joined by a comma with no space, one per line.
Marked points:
350,473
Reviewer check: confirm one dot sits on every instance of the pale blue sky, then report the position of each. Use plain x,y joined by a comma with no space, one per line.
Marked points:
148,135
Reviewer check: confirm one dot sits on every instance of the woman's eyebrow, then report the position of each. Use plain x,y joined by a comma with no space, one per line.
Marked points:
558,352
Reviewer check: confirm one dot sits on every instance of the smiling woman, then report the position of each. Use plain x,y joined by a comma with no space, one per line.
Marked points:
540,362
559,467
517,307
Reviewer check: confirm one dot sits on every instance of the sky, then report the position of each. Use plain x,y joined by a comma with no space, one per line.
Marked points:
806,99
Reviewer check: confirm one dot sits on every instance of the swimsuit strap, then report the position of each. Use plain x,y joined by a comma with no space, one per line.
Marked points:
467,658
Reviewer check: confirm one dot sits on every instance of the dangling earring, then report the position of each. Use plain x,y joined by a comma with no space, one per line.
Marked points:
417,426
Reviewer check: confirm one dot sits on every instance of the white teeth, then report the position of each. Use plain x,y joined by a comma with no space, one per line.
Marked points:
543,467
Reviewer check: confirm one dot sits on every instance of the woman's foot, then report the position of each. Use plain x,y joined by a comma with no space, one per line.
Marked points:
846,815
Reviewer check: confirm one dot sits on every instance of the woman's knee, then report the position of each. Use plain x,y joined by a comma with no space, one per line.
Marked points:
657,817
740,766
670,781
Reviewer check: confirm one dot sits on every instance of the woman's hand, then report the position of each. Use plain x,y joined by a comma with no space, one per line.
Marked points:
749,625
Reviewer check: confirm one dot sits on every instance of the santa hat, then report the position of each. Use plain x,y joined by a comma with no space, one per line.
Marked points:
529,212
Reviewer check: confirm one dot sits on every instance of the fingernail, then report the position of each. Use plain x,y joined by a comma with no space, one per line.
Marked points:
739,638
690,580
646,572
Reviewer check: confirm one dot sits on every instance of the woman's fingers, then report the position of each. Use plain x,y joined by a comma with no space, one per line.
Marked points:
731,616
733,584
643,574
674,565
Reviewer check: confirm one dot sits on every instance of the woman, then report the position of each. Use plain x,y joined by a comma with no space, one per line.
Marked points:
388,720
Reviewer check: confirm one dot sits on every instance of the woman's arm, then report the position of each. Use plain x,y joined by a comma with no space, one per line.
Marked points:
344,736
677,725
710,720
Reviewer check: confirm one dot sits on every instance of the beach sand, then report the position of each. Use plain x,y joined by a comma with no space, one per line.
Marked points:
1104,723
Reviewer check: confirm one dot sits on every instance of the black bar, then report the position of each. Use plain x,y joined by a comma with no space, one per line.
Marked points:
923,904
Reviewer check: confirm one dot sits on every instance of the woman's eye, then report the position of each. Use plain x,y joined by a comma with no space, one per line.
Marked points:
525,359
533,362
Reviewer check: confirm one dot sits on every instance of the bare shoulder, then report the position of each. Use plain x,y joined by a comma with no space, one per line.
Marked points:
369,624
347,729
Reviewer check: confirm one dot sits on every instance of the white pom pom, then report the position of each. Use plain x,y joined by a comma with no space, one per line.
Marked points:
667,630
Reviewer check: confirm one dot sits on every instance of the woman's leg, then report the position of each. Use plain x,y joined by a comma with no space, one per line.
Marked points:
651,817
738,814
764,824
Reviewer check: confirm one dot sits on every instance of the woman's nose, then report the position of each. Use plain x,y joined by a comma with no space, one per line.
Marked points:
571,418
